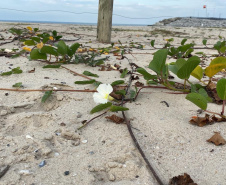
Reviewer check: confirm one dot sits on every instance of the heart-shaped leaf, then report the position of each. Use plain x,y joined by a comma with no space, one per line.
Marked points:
62,48
49,50
185,71
198,100
215,66
159,60
35,55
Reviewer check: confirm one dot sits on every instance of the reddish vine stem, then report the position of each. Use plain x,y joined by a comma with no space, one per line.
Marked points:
133,136
44,90
92,120
140,150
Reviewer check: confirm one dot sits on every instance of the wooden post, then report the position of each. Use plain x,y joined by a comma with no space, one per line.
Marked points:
104,21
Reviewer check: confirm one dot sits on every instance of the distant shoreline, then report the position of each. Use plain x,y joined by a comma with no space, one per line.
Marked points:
73,23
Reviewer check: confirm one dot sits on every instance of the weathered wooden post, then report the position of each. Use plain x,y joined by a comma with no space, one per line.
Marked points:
104,21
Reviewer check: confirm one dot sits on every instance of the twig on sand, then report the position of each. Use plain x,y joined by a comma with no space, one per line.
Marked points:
76,73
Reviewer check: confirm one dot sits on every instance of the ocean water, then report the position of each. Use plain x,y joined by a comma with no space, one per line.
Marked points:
75,23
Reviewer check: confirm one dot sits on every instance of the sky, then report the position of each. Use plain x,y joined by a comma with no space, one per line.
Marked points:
145,12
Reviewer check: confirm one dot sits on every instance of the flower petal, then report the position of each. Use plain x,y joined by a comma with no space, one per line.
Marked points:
98,98
105,89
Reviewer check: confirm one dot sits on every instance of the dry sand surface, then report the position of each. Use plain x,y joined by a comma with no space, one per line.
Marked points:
103,152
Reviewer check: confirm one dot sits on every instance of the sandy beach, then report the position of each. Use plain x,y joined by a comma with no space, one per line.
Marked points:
103,153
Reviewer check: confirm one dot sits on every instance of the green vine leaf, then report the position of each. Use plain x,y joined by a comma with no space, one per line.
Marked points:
198,100
49,50
121,92
183,41
87,73
35,55
153,43
100,107
18,85
147,76
124,73
115,108
51,66
117,82
159,60
46,96
221,88
85,82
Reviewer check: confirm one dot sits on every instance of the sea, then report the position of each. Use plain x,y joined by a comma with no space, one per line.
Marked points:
75,23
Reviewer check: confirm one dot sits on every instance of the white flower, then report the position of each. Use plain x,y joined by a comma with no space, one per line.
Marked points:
102,95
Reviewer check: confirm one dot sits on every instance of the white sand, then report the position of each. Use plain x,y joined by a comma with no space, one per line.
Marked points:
172,145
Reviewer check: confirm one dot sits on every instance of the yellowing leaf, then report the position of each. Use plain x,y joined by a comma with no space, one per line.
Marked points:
215,66
214,69
197,73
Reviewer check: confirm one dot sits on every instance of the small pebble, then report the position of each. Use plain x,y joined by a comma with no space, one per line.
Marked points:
24,172
66,173
79,115
41,164
56,154
6,94
111,177
55,88
91,153
3,112
63,82
58,133
84,141
8,145
29,137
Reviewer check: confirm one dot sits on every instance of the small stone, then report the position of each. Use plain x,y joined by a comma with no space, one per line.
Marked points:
41,164
111,177
24,172
66,173
62,124
29,137
112,164
91,153
3,112
79,115
6,94
84,141
55,88
56,154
